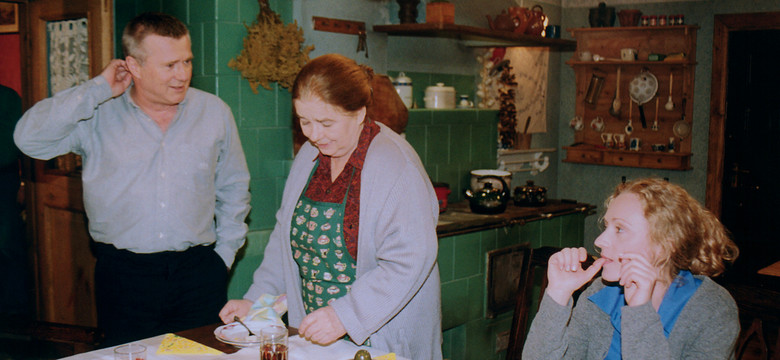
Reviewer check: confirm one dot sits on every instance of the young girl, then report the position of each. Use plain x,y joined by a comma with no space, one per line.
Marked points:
654,298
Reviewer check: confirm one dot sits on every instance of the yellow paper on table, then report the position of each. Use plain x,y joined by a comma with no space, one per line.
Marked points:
175,344
390,356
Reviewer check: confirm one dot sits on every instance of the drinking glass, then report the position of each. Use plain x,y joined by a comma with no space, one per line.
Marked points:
274,343
130,352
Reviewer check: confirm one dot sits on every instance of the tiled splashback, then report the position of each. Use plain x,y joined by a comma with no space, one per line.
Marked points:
451,143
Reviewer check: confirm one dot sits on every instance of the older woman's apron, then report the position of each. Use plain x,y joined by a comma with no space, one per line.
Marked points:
326,268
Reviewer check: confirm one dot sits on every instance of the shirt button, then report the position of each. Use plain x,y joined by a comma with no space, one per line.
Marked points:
162,205
162,175
161,235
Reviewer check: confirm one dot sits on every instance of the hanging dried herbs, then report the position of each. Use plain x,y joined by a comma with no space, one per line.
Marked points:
273,52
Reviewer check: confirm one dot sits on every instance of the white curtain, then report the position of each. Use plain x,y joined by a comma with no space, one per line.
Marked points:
68,56
530,65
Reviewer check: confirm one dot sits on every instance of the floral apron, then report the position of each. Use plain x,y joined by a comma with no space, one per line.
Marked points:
326,268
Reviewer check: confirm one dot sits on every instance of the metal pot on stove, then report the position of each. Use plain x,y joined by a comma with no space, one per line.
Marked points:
530,195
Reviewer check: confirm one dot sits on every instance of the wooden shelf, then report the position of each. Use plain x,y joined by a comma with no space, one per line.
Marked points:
474,36
589,154
675,80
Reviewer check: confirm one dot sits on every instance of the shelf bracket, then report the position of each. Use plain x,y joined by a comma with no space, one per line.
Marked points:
343,27
524,160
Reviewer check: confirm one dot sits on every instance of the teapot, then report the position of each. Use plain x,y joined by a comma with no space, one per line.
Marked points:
502,21
521,17
488,200
536,21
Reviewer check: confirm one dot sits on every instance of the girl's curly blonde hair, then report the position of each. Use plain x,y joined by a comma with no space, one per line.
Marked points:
688,235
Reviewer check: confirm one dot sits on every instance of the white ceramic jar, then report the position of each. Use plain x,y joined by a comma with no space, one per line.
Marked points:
403,86
439,97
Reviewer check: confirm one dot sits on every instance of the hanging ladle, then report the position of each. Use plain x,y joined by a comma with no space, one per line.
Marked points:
630,127
669,104
614,110
655,122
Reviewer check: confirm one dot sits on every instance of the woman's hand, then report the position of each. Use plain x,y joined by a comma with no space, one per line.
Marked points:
322,326
234,308
565,274
638,278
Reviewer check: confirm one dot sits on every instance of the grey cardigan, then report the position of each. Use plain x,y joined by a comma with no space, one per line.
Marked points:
707,328
395,300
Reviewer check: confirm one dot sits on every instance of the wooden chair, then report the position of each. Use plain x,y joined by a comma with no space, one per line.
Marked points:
527,295
759,315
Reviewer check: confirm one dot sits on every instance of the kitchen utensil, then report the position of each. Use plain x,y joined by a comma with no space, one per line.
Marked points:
439,97
642,89
629,17
681,128
606,139
403,86
594,89
655,122
602,16
635,144
502,21
628,54
630,126
614,110
530,195
481,176
536,21
442,190
669,104
488,200
238,320
597,124
576,123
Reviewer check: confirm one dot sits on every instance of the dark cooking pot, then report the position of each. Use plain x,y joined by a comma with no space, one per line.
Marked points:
530,195
488,200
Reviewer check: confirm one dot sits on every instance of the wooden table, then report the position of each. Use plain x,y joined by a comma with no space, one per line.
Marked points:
771,270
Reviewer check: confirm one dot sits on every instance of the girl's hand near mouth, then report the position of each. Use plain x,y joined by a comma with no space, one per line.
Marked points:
565,273
638,277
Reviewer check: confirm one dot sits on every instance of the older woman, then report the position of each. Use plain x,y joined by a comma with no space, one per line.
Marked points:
354,246
655,298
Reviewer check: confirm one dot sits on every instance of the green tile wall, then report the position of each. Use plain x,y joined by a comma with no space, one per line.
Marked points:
463,270
451,143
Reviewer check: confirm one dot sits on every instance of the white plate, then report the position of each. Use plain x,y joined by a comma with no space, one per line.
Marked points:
235,334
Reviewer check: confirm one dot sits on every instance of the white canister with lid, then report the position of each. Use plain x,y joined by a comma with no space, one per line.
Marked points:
403,86
439,97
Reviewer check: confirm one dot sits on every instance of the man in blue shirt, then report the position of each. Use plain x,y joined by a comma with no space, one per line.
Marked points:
165,181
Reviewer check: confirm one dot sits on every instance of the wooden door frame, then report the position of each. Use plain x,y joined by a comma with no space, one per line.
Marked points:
725,24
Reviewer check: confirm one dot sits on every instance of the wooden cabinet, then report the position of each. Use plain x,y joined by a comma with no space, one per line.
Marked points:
598,83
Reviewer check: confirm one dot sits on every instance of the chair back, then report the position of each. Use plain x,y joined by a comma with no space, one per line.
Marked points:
530,296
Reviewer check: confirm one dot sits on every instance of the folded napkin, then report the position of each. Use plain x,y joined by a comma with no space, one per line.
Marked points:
175,344
268,308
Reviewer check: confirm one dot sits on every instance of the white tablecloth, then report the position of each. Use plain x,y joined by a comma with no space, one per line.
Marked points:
300,349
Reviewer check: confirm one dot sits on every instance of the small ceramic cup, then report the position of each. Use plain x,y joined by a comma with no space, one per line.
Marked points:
635,144
576,123
628,54
586,56
620,141
597,124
